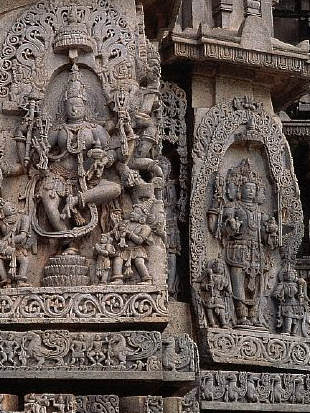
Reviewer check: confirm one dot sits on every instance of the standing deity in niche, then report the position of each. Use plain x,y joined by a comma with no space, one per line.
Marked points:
291,294
173,233
237,219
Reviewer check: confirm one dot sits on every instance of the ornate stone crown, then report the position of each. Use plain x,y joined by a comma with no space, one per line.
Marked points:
75,88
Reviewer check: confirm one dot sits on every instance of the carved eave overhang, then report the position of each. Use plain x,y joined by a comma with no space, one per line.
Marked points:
297,130
160,15
289,69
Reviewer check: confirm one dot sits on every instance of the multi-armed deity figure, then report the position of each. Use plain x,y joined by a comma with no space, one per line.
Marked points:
237,219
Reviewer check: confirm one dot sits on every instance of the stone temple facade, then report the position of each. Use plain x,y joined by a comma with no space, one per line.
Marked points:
154,206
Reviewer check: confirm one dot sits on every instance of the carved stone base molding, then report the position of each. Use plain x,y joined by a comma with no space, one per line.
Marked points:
244,391
99,304
256,348
68,403
128,355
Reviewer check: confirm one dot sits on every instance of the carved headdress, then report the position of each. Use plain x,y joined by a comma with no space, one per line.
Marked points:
240,175
75,87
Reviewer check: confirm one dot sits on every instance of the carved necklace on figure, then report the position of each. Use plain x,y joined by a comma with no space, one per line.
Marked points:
252,214
75,138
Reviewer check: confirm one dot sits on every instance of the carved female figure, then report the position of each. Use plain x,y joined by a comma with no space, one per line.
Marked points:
292,296
214,287
77,145
239,222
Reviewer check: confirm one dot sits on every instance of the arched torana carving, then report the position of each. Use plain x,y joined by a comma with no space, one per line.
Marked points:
254,244
31,39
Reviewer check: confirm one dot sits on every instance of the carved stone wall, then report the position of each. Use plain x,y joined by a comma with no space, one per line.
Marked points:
148,202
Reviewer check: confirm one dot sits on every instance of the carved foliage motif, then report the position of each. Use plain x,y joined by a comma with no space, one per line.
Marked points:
243,387
256,348
97,404
71,305
30,38
173,129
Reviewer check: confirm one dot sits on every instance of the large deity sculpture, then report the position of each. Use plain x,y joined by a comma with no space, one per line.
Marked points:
87,152
66,187
237,219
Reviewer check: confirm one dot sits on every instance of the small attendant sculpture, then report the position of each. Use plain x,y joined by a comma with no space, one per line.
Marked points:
15,228
215,288
104,251
292,299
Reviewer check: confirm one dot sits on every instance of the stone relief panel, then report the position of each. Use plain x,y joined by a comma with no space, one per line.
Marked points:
254,347
129,354
48,403
174,163
236,389
97,403
72,304
246,223
82,201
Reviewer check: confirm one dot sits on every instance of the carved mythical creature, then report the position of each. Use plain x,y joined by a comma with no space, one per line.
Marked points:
170,357
15,228
118,351
238,221
291,295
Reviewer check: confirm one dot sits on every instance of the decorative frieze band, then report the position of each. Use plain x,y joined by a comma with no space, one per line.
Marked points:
225,52
99,304
257,348
245,391
127,355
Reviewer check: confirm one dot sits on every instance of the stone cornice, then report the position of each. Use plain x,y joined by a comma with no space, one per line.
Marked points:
202,49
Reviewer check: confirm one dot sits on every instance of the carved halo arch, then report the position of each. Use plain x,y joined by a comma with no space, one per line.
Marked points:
216,132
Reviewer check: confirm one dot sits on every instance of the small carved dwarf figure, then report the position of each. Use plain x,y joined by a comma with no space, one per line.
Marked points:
15,229
214,287
8,348
78,348
291,294
96,353
104,252
132,236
